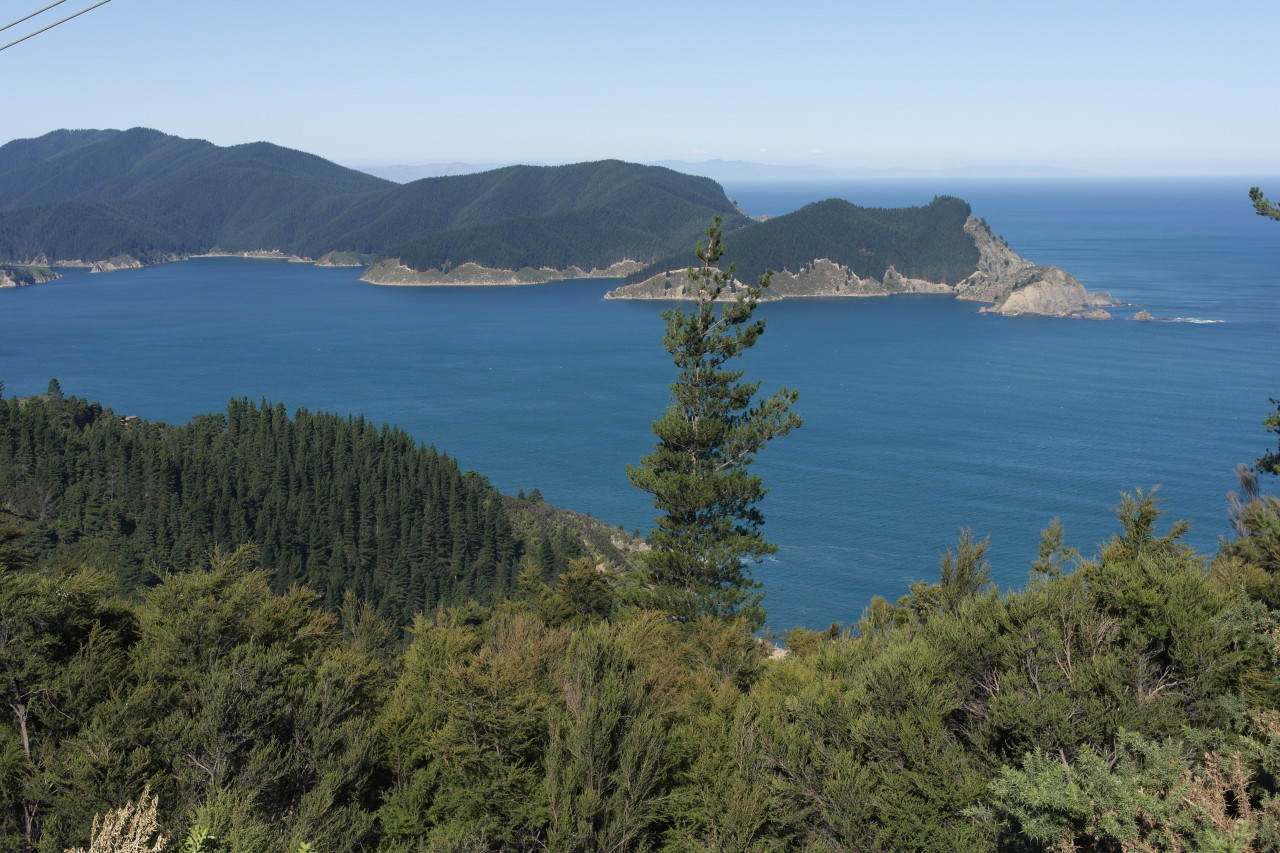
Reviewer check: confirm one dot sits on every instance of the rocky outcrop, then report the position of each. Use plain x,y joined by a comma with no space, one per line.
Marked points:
128,262
1144,316
261,254
675,285
821,277
395,273
339,259
1048,291
119,262
1018,287
999,267
22,276
1015,285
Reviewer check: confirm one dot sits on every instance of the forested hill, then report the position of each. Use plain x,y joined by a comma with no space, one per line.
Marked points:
90,195
927,242
111,165
587,214
334,503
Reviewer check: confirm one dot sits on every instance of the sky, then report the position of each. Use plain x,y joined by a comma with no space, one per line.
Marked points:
1112,87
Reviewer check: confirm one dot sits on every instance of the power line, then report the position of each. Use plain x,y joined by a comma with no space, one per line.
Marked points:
32,15
54,24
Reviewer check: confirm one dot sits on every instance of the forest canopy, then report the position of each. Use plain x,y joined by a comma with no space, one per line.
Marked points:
1129,699
336,504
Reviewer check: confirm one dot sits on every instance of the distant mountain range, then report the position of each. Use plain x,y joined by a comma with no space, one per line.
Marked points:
745,170
405,174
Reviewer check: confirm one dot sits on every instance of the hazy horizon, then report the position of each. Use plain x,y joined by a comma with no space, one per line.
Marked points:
782,172
1136,89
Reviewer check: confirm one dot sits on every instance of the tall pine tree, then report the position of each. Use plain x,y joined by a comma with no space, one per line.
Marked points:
709,435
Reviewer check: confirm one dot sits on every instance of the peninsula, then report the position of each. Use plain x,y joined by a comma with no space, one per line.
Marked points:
21,276
939,248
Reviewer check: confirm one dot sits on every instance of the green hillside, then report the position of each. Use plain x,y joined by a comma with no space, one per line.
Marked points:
335,503
92,165
927,242
95,194
91,195
114,165
533,216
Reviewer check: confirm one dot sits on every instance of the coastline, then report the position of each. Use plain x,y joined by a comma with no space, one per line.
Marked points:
392,273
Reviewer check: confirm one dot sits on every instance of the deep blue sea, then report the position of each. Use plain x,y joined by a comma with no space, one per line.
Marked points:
922,417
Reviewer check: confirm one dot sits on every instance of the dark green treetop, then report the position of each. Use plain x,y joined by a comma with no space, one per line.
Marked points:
1263,205
1269,463
709,435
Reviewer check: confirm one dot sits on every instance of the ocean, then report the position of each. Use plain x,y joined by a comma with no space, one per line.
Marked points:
922,417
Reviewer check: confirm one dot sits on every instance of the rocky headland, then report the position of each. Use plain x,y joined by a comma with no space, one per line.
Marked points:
339,259
21,276
119,262
125,262
1014,285
129,262
261,254
1050,292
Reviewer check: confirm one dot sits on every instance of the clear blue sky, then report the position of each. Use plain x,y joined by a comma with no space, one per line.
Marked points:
1114,86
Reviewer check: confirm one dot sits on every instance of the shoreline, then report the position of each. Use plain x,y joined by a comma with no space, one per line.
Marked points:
392,273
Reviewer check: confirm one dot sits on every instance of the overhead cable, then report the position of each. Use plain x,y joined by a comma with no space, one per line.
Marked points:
32,15
54,24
